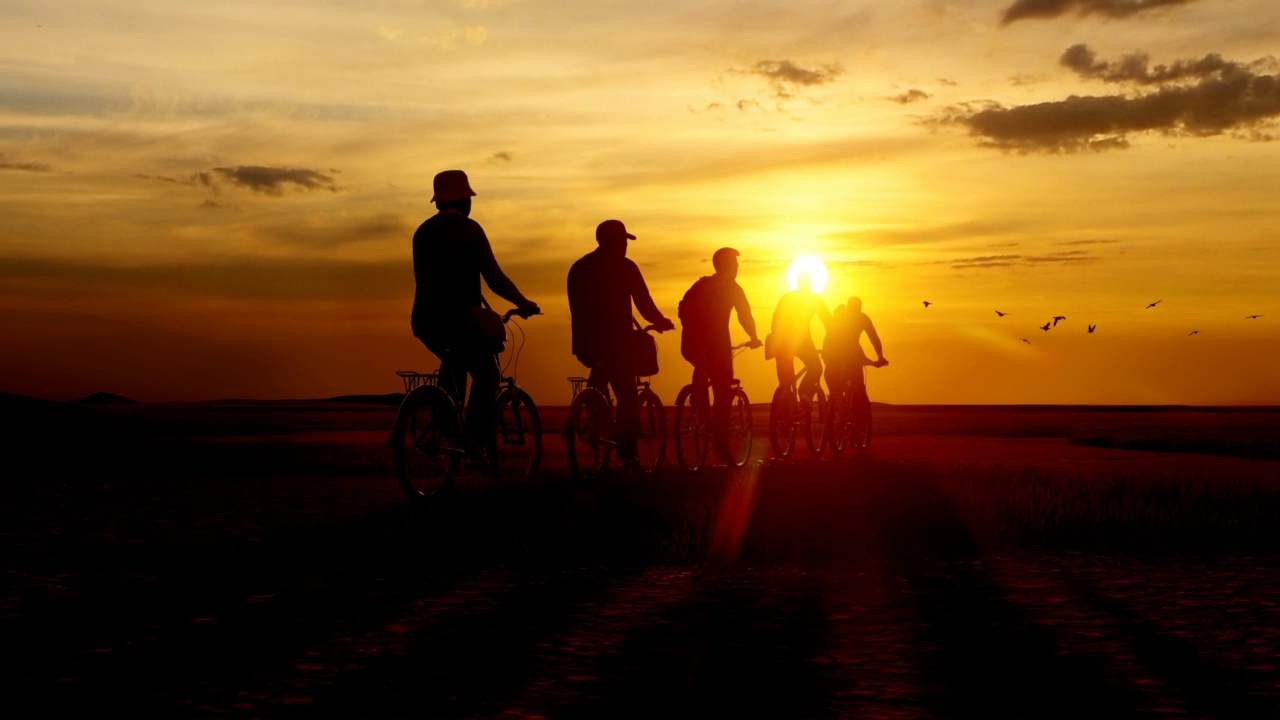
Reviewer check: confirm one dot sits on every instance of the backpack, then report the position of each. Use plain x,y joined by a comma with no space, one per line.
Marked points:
692,311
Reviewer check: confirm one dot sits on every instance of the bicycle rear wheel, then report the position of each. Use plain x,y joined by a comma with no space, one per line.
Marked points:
424,463
590,433
740,431
693,430
651,445
517,437
782,428
814,422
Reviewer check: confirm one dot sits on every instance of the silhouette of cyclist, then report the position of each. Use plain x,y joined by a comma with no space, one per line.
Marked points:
602,286
843,348
450,255
790,337
704,338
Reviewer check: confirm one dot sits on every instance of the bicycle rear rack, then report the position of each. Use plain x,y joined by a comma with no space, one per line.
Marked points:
413,380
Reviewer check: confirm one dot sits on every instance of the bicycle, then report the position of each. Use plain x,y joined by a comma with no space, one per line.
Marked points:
427,437
693,424
789,414
850,421
589,432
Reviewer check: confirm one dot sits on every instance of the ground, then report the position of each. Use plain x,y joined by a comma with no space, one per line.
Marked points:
260,559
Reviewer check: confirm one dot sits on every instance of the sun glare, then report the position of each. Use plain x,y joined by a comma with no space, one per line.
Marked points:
810,265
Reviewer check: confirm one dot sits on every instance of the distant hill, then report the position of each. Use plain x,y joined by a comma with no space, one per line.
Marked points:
388,399
22,403
103,398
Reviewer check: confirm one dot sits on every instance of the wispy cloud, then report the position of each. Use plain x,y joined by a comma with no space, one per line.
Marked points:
23,166
1030,9
1208,96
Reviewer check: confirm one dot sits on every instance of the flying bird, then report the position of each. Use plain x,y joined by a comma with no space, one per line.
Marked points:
1152,305
1056,318
1026,341
1045,327
927,303
1193,332
1092,328
1252,317
1001,314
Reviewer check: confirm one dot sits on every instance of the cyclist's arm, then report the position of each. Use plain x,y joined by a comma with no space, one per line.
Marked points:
820,309
643,300
743,309
497,280
874,337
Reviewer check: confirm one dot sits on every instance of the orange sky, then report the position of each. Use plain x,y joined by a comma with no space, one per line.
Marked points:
216,201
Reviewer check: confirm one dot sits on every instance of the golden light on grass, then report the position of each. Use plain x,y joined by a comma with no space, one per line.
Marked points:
810,265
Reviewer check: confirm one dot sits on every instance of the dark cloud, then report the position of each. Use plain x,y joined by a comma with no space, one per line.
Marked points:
1027,9
786,77
910,96
984,261
501,156
273,180
1208,96
1136,68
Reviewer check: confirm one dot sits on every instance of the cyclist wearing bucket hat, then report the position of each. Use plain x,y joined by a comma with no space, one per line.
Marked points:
450,254
602,286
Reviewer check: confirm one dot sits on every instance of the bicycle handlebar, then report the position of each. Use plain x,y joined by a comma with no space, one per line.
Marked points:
506,317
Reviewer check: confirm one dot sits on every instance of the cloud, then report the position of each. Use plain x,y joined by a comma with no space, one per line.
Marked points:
329,233
1202,97
910,96
272,180
786,77
1086,242
1028,9
23,166
501,156
1136,68
1067,257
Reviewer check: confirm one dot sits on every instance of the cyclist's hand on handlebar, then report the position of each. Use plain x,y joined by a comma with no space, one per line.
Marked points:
664,325
755,343
880,363
527,309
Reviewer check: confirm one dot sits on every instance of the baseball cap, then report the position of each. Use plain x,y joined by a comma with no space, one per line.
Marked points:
610,229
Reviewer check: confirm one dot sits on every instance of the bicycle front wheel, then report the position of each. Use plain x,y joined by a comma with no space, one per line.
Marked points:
651,445
814,420
589,434
740,431
517,437
425,422
693,430
861,422
782,428
839,423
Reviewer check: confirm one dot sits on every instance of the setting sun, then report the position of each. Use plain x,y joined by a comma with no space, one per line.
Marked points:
807,265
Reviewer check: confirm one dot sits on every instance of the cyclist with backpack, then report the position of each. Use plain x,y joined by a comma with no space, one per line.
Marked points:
704,338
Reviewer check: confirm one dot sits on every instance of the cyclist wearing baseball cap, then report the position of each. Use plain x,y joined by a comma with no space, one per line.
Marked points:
602,286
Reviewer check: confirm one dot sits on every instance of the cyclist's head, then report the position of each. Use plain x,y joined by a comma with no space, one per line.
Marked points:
855,304
612,235
725,261
450,186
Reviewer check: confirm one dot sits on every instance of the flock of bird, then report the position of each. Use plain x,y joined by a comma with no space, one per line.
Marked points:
1052,323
